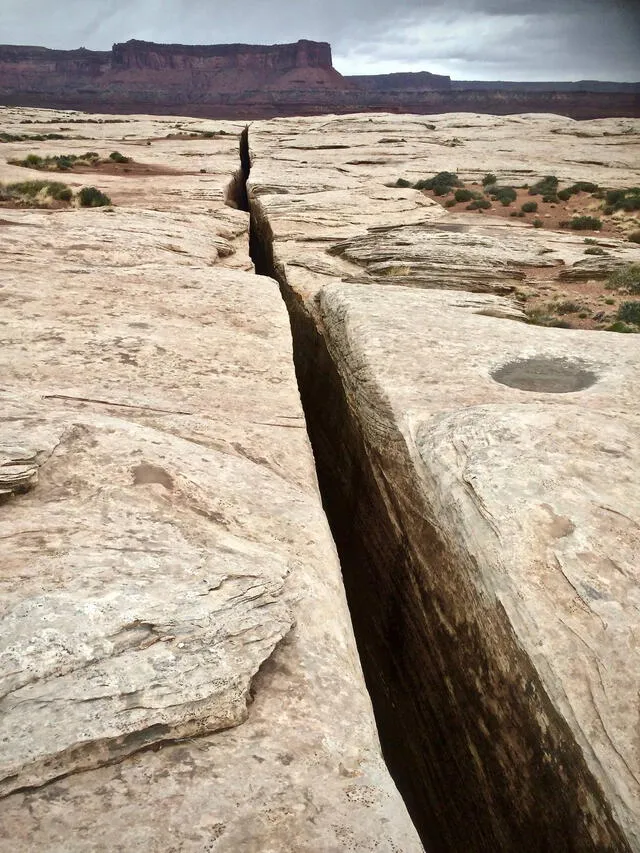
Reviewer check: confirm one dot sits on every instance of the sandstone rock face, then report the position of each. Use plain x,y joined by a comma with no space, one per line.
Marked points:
479,472
240,81
177,664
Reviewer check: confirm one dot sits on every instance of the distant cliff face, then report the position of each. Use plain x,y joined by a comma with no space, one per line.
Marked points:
404,81
278,57
259,81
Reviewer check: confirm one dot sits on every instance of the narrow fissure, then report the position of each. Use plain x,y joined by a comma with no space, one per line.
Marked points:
469,782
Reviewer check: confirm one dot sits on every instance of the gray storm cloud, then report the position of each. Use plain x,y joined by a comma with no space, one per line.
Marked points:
468,39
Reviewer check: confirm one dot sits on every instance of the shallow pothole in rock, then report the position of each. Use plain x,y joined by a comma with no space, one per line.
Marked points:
545,375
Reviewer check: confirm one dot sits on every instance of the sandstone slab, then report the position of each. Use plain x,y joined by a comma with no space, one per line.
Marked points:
178,668
479,472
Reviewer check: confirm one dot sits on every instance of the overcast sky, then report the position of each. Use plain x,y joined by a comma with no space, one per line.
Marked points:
467,39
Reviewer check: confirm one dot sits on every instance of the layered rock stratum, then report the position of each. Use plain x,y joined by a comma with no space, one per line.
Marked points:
178,666
240,81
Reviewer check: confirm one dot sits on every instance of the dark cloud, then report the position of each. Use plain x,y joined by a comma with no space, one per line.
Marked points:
468,39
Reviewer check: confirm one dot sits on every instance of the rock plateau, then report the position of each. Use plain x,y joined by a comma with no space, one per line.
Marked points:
178,665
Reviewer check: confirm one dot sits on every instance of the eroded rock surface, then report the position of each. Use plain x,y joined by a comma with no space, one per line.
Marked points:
177,664
478,472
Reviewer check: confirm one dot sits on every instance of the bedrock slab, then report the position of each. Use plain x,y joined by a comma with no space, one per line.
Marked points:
479,475
177,662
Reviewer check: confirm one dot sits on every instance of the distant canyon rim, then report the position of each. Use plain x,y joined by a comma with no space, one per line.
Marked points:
239,81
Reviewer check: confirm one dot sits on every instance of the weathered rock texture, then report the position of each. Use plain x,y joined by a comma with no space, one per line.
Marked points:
256,81
479,473
177,664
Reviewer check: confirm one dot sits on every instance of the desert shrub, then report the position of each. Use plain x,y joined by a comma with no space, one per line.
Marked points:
634,237
583,187
628,199
625,278
629,312
585,223
450,202
594,250
564,195
619,326
58,191
35,193
57,162
548,186
567,307
529,207
93,197
117,157
505,195
463,195
537,223
489,179
402,182
441,184
479,204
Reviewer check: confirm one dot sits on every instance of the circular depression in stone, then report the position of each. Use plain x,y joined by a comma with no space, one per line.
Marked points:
545,375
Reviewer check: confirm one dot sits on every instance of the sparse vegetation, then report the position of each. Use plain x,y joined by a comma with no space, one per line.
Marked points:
93,197
441,184
626,278
479,204
629,312
117,157
29,137
585,223
505,195
594,250
628,200
489,179
537,223
547,188
634,237
66,162
35,193
403,183
567,307
463,195
529,207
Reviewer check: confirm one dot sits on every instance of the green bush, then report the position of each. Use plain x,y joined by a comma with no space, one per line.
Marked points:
489,179
92,197
31,193
583,187
529,207
629,312
564,195
585,223
505,195
463,195
619,326
548,186
402,182
628,200
625,278
479,204
441,184
567,307
59,192
537,223
594,250
450,202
